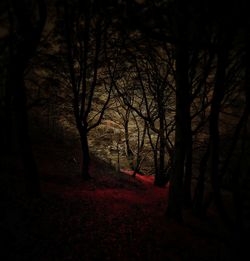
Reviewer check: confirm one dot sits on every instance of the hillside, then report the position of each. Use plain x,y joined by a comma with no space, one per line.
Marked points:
111,217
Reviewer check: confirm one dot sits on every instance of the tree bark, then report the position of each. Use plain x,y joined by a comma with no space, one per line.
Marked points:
126,134
29,36
159,177
26,151
219,90
175,202
198,207
85,154
188,162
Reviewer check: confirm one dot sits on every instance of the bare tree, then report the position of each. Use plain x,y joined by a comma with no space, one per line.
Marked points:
86,35
148,92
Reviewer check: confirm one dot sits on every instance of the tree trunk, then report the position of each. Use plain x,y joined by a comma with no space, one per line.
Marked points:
238,190
218,95
155,154
85,154
7,140
175,203
126,134
159,177
198,207
188,163
22,130
28,35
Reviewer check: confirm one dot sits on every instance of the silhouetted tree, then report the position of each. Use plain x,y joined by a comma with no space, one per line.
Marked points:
26,23
148,93
87,28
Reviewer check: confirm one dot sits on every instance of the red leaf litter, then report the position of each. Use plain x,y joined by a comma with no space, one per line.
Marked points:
113,216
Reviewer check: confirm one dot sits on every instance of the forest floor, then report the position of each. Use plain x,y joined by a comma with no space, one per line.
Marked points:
111,217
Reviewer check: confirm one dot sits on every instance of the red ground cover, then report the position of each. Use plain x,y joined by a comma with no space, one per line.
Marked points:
111,217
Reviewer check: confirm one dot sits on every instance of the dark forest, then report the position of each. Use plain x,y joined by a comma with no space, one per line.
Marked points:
124,130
